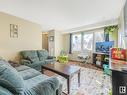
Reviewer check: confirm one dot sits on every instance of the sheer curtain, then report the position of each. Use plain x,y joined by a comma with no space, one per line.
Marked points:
99,36
88,41
76,42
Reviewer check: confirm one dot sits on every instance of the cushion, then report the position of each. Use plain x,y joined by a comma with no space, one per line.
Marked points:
22,68
29,73
25,62
33,59
10,79
43,54
30,55
47,87
37,63
44,87
34,81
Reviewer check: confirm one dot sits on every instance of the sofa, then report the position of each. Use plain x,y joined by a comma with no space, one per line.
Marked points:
36,58
24,80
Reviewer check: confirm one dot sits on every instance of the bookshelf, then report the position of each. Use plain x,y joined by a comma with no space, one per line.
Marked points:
100,58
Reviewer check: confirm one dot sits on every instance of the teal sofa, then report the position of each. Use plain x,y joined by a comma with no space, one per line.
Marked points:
24,80
36,58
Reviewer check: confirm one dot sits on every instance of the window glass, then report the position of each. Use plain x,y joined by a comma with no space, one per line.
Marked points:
99,36
88,41
76,42
84,41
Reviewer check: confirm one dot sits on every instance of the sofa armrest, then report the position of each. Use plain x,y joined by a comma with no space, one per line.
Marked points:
47,87
4,91
25,62
51,57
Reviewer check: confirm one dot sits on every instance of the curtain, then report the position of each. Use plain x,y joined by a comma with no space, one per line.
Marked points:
70,48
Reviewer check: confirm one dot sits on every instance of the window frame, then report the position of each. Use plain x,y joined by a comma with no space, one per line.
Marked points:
83,40
82,34
72,42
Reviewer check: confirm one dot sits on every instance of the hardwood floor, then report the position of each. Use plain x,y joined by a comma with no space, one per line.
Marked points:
85,65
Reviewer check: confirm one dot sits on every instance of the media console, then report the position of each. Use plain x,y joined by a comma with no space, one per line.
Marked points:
100,58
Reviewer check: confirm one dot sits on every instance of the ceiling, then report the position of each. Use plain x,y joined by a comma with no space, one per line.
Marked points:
63,14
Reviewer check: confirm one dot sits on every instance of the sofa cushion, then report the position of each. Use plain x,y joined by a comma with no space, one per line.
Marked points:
44,87
10,79
29,73
30,55
33,59
36,65
34,81
42,54
38,68
22,68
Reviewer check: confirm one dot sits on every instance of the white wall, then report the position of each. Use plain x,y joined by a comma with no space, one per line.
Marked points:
66,42
122,40
29,36
58,42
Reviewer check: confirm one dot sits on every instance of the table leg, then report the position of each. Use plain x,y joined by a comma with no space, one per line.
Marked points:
79,78
42,70
68,85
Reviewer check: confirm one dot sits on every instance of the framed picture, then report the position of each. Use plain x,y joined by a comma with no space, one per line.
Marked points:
51,38
13,31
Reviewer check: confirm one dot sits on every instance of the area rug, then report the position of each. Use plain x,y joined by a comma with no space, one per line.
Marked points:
93,82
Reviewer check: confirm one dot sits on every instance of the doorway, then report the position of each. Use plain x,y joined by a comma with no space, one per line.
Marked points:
45,40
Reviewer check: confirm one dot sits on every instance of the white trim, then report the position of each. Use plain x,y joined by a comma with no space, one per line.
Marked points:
93,26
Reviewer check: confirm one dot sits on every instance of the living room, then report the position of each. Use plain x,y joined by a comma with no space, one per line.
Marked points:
63,47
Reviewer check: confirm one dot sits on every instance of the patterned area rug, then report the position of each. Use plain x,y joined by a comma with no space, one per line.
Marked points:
93,82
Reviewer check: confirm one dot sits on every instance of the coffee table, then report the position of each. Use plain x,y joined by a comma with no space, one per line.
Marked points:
65,70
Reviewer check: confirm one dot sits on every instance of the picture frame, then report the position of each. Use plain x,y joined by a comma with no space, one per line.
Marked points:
51,38
13,31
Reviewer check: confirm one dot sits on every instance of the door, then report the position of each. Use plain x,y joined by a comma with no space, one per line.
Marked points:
45,41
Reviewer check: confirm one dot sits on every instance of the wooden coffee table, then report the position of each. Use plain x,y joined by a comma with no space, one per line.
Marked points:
65,70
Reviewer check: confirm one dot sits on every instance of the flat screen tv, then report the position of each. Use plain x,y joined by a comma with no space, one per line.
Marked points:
104,47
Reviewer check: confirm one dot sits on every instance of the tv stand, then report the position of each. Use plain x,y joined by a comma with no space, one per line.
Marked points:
100,58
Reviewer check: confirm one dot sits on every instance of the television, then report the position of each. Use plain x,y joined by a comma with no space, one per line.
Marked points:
104,47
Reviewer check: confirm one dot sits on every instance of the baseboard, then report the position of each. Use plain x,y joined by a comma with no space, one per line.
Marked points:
74,61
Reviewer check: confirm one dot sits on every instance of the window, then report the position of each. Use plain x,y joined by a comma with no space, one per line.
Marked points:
99,36
88,41
76,42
